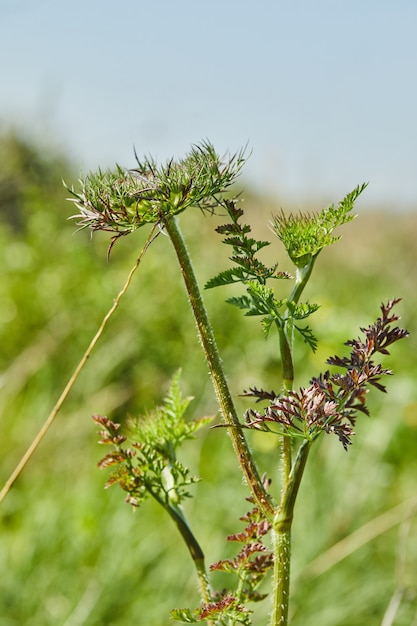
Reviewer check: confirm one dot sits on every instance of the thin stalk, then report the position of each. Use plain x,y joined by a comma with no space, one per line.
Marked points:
290,474
290,495
287,383
281,528
286,348
286,358
218,377
194,549
51,417
190,540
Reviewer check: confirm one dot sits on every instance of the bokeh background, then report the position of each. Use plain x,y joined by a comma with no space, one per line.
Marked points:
325,97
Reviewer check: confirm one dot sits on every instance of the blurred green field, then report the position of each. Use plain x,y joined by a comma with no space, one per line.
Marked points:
72,554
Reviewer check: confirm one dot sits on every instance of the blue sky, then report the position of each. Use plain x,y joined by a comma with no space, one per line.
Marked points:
324,91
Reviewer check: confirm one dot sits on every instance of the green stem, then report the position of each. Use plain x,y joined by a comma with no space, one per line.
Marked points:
285,342
194,549
281,576
281,529
290,475
287,383
290,495
192,544
218,377
281,532
302,276
286,358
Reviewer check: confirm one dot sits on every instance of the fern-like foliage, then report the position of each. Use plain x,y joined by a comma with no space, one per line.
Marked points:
245,248
250,271
144,460
259,298
306,234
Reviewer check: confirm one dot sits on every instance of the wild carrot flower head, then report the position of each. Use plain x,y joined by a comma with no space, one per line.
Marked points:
121,201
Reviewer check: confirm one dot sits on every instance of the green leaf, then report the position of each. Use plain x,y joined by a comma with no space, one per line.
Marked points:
185,616
150,466
263,300
266,325
227,277
300,311
165,428
242,302
308,336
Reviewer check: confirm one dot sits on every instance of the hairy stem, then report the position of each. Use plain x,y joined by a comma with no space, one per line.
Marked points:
281,577
216,370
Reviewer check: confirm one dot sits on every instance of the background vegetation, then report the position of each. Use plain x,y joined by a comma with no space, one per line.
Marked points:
72,554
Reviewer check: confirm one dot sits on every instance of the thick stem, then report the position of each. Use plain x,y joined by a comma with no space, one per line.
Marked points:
218,377
281,582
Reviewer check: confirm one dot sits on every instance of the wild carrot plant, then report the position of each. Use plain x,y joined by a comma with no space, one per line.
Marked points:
144,455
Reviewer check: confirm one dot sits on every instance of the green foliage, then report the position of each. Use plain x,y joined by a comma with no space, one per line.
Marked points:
165,428
317,408
56,521
245,249
306,234
253,273
149,466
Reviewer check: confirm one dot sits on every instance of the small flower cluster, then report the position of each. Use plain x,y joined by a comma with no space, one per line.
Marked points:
331,403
